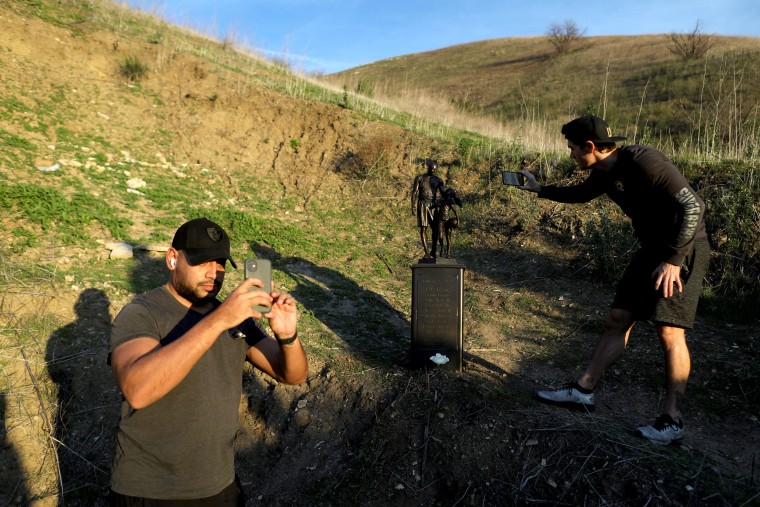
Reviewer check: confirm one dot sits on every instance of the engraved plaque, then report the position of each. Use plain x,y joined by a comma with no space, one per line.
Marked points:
437,315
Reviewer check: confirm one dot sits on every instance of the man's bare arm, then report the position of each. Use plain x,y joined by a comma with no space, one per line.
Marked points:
146,371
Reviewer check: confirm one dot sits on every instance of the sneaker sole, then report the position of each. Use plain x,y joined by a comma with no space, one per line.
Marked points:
674,442
581,407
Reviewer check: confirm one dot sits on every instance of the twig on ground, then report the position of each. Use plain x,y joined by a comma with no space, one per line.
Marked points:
386,263
750,500
48,427
72,451
427,435
462,497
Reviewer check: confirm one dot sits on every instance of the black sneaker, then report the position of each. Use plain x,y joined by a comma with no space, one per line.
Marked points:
664,431
569,395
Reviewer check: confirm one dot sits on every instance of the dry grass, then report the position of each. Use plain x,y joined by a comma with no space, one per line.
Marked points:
28,402
635,82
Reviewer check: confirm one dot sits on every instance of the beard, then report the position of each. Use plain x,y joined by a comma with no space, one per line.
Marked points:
196,294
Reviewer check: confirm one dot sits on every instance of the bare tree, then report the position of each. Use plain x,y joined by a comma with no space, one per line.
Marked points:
562,36
692,45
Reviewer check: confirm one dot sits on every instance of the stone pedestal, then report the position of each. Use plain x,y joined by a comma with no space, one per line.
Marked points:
437,314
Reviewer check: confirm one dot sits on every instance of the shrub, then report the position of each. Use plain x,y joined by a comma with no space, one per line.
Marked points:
611,244
364,88
732,196
371,161
133,68
692,45
562,36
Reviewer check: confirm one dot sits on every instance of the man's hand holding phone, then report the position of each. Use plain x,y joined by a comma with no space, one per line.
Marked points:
241,303
258,299
261,271
279,309
530,184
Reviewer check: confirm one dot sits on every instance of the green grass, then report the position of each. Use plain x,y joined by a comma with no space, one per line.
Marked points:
64,217
15,149
133,68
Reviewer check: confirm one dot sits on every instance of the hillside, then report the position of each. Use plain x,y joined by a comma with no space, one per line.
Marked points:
115,127
644,90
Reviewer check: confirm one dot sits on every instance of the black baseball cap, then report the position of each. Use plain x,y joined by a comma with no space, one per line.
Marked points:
202,240
589,128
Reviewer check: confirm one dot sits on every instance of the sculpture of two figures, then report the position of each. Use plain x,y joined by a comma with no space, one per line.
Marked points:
434,205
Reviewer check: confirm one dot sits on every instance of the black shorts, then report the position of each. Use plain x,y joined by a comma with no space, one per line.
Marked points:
231,496
636,293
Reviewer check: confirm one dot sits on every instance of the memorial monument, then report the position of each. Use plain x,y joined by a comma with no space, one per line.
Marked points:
437,282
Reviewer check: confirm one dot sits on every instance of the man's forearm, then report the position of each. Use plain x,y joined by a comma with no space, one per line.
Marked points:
294,366
146,371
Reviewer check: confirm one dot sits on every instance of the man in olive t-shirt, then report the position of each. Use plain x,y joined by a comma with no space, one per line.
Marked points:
177,354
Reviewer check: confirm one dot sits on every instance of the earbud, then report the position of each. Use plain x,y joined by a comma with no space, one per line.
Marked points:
172,262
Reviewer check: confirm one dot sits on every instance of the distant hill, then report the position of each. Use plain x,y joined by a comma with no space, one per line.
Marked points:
642,88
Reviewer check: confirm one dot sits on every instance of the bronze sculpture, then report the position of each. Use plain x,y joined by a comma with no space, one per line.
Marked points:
443,222
425,190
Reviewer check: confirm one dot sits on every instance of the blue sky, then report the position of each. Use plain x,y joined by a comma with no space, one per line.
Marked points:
331,35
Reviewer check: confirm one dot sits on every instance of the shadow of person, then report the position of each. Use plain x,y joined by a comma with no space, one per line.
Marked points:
279,419
371,328
87,407
13,489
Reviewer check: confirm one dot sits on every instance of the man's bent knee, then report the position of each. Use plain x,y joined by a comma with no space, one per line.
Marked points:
619,321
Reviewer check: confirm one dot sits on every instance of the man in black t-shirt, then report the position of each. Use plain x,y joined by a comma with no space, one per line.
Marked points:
662,283
177,354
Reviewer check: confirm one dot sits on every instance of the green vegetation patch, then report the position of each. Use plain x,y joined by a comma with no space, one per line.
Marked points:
15,149
65,217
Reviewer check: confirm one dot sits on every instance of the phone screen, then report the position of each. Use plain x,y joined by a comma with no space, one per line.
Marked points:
261,269
512,178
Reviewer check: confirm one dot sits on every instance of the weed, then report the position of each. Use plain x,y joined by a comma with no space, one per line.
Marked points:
364,88
295,144
23,239
465,147
157,37
133,68
371,160
611,243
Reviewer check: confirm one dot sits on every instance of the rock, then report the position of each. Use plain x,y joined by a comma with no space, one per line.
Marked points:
154,247
135,183
120,251
302,419
48,168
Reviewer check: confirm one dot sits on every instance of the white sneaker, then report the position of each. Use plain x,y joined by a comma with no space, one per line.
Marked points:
664,431
569,395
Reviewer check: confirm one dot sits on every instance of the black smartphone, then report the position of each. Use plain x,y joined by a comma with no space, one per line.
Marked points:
511,178
261,269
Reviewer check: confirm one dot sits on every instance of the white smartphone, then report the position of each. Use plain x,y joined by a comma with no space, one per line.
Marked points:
261,269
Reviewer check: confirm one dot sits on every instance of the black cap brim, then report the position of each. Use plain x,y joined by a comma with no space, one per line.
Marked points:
199,256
